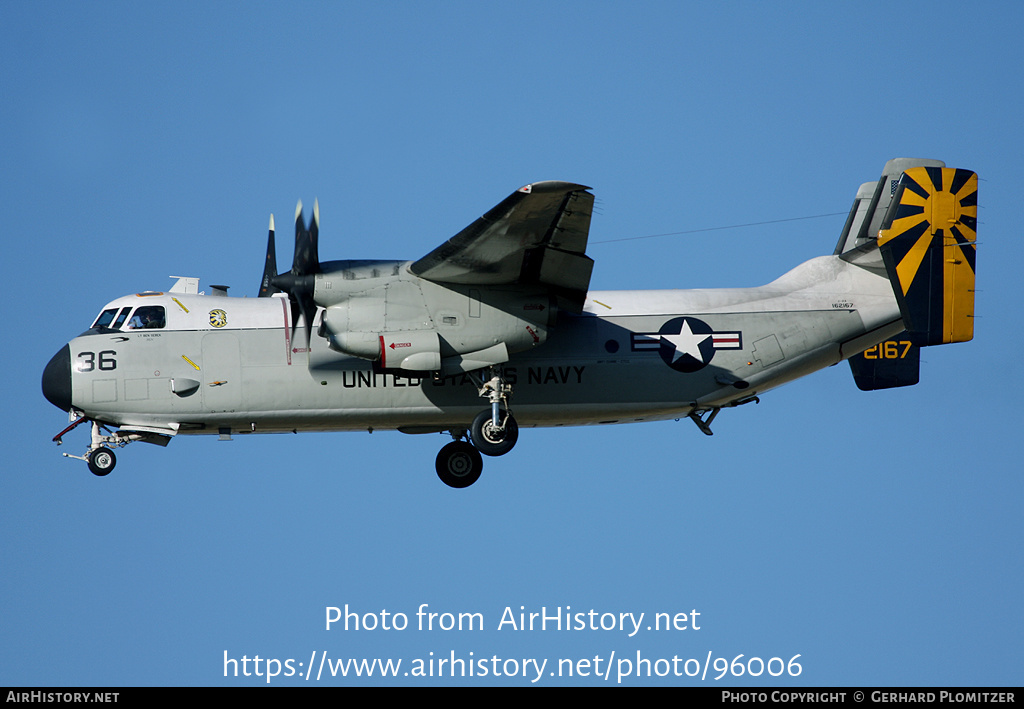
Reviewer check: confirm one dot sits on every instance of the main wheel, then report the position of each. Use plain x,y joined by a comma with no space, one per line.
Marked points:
490,440
102,461
459,464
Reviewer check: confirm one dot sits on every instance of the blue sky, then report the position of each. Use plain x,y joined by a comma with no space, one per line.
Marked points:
876,535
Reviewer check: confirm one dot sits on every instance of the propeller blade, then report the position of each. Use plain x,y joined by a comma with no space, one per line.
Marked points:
267,288
309,308
300,282
300,228
300,296
307,257
314,234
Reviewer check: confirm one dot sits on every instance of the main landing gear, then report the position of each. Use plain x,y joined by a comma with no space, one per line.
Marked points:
493,432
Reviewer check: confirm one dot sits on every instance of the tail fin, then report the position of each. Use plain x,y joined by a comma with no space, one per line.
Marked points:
922,217
871,204
927,241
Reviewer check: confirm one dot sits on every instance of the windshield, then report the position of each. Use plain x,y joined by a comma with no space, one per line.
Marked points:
121,317
148,317
105,318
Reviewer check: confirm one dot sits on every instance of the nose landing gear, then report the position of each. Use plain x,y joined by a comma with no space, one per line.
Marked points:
98,455
101,459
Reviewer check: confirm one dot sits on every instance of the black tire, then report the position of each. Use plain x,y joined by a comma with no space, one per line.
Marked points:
102,461
491,441
459,464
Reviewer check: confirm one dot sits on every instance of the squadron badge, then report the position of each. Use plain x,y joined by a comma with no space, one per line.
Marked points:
218,318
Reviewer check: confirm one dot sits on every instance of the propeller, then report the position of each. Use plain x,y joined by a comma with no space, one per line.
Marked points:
299,283
267,289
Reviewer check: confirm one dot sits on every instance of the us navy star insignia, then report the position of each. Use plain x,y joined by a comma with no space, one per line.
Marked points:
686,344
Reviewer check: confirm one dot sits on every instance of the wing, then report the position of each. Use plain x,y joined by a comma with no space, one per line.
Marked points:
536,236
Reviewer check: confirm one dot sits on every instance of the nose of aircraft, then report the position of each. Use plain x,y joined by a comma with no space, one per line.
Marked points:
57,379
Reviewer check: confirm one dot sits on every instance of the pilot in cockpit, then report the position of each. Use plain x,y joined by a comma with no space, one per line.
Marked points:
147,318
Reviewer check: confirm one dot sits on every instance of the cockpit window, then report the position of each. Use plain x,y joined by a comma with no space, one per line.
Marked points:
121,317
148,317
105,318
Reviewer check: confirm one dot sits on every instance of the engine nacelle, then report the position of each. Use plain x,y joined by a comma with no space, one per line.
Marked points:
417,351
413,324
412,350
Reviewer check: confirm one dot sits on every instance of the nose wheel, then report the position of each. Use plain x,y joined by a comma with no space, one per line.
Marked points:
101,461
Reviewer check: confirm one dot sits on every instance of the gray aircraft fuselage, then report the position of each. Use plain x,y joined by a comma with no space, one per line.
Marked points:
236,365
497,328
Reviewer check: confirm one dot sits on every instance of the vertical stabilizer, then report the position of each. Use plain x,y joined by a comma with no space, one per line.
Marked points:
872,202
927,240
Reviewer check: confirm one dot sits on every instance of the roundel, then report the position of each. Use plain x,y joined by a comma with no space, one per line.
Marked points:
686,344
218,318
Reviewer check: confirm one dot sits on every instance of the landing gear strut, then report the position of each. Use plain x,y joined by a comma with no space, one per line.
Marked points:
493,432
